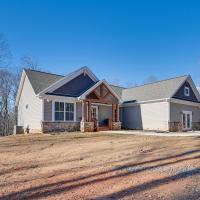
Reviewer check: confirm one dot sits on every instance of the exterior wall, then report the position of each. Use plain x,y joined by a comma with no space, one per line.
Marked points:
60,126
180,93
149,116
29,109
78,111
105,112
47,110
176,114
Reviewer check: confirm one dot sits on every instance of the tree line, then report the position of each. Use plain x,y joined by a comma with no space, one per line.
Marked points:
9,81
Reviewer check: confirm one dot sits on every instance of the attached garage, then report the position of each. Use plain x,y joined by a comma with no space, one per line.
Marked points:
147,116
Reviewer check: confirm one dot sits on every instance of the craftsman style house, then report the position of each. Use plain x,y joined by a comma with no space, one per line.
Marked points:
80,101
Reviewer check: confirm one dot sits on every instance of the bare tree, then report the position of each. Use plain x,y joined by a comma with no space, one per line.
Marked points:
6,101
29,62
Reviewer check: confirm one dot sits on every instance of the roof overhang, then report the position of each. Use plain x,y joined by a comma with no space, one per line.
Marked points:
59,98
68,78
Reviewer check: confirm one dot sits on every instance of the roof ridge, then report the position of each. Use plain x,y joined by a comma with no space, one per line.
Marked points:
44,72
157,81
118,86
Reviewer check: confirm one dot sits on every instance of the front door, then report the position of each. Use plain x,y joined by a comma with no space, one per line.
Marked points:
187,120
94,112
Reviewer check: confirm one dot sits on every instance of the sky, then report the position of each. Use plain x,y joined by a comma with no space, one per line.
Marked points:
122,41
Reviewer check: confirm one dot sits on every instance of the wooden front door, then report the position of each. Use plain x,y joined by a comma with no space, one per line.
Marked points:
94,112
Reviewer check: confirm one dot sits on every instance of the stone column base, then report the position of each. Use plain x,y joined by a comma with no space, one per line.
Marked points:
116,125
175,127
196,126
87,126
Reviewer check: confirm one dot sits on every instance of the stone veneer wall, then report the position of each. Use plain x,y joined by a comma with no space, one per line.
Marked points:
60,126
177,126
87,126
196,126
116,125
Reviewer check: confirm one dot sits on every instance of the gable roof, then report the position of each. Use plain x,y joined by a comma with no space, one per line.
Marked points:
68,78
41,80
83,96
157,90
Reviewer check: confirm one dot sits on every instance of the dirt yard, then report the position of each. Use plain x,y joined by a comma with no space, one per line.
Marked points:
99,166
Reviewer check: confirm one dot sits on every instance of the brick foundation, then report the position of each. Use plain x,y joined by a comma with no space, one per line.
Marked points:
116,125
60,126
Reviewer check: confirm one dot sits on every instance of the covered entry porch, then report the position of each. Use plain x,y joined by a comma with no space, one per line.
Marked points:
100,109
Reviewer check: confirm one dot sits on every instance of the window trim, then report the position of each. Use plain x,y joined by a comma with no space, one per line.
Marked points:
53,111
186,91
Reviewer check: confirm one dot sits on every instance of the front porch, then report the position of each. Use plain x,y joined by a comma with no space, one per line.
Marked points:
94,115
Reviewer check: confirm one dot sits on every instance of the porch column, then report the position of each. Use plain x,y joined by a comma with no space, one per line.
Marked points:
113,112
89,112
84,111
117,112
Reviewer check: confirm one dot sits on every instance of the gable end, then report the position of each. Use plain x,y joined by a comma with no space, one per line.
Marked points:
75,87
180,94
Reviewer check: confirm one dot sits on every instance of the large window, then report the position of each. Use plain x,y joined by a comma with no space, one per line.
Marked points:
64,111
69,111
59,111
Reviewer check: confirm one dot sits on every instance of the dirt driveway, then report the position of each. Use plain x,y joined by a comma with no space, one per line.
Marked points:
99,166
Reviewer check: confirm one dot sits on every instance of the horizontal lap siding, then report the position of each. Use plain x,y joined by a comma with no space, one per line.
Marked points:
47,110
29,108
176,112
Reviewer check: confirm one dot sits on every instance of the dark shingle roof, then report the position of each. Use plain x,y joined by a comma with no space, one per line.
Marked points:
158,90
41,80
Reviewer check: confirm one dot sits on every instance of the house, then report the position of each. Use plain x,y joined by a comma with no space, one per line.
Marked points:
80,101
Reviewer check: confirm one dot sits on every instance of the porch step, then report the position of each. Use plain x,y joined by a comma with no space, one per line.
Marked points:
103,128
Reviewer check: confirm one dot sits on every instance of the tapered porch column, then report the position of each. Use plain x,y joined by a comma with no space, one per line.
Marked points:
117,112
113,112
89,112
84,111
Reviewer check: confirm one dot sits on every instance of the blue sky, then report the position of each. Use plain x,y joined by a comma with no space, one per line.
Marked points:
122,41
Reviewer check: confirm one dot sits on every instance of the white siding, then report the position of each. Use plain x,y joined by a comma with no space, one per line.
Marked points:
29,108
155,116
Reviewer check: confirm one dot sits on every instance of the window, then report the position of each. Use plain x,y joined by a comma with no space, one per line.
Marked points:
64,111
59,111
186,91
69,111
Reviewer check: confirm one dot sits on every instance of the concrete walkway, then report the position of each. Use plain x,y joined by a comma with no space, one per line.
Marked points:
153,133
